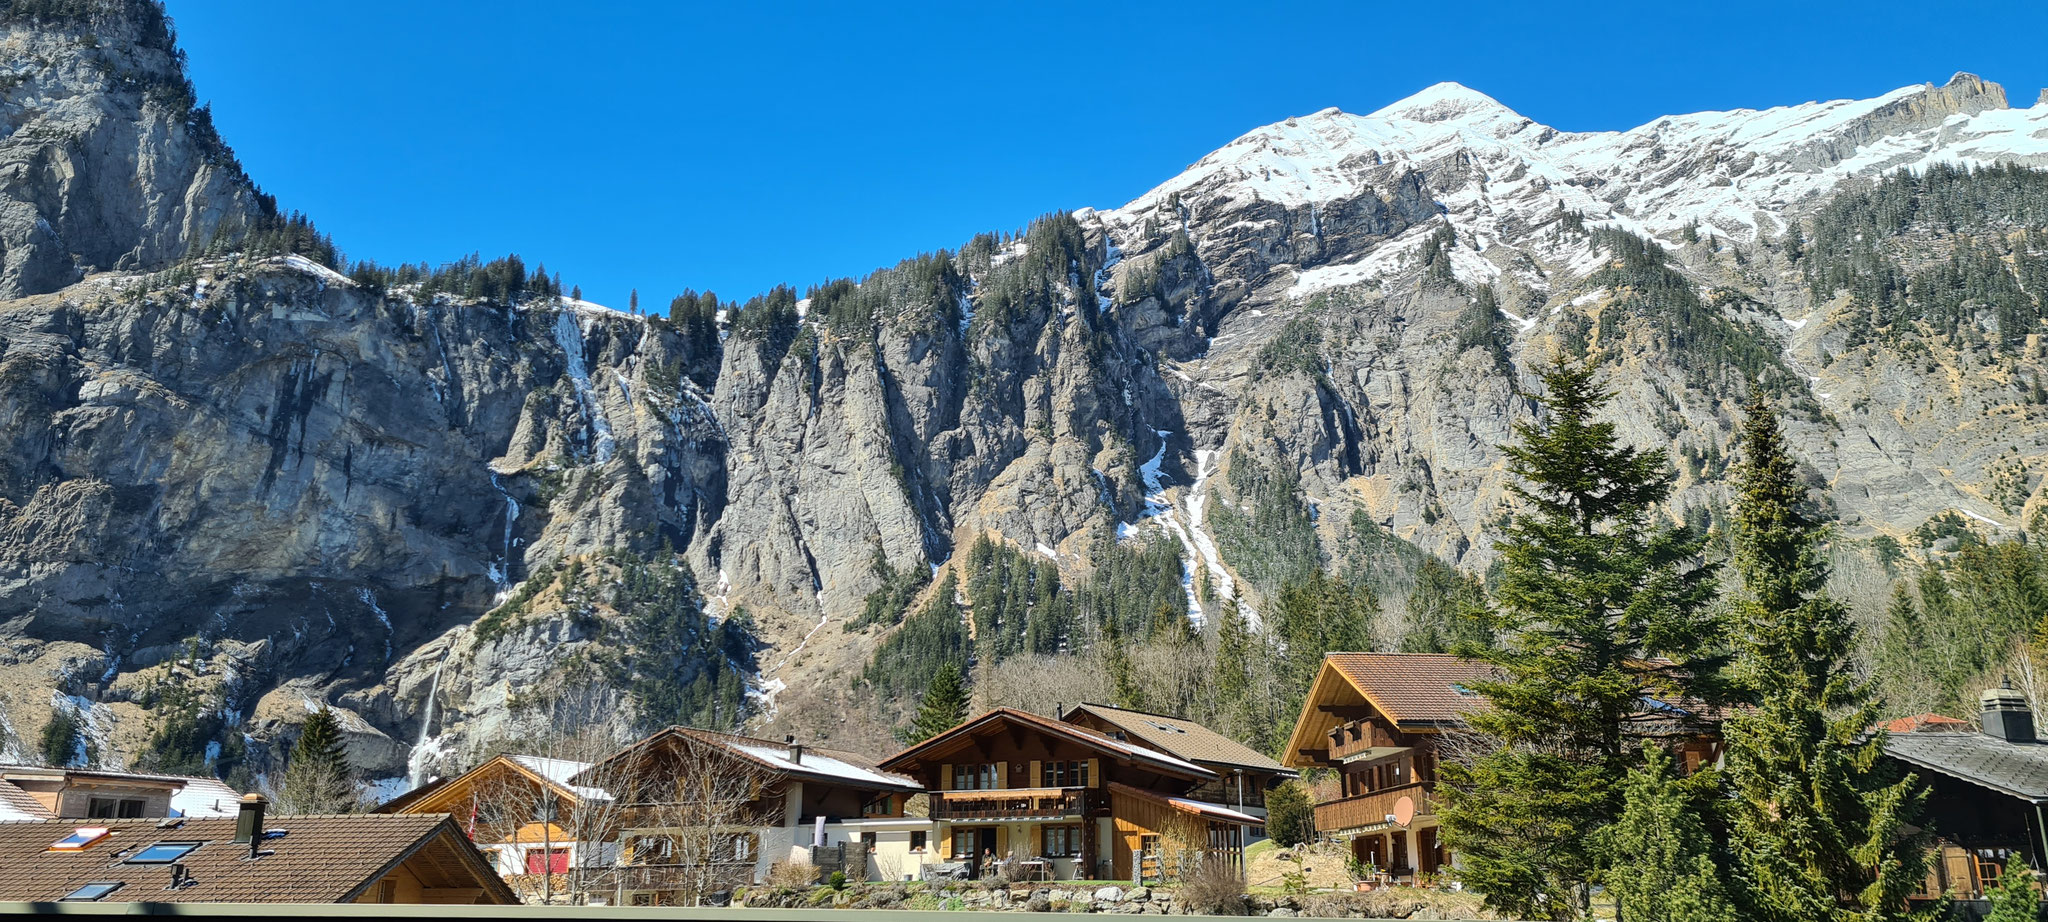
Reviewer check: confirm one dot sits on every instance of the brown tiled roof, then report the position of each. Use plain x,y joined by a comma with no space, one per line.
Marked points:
14,800
318,859
1414,688
1182,737
1154,759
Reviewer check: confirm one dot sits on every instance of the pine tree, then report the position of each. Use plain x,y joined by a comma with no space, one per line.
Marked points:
633,302
1124,690
1604,620
2013,900
1666,869
318,777
59,743
1821,827
943,708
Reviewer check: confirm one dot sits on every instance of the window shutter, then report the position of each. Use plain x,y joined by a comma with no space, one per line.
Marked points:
1002,842
946,777
1002,774
1037,842
1037,773
1094,773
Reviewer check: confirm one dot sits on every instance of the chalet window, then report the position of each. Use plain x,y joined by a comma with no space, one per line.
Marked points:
739,846
980,777
1062,841
867,841
114,808
547,811
1068,774
653,849
880,806
964,841
917,841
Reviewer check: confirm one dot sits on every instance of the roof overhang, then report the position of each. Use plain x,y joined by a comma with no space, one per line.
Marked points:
1126,752
1948,772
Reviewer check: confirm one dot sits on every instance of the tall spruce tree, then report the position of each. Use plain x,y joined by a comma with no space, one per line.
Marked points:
318,777
1667,869
1822,828
944,706
1603,622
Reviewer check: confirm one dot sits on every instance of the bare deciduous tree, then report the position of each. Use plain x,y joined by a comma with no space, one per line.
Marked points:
695,812
565,734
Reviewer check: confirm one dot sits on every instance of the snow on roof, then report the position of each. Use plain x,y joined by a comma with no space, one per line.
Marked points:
1216,810
818,763
560,771
205,797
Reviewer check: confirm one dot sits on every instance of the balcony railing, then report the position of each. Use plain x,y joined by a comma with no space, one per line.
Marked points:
1371,736
1014,803
1372,809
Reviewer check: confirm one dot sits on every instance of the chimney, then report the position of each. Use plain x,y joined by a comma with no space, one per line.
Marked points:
1059,710
796,749
249,822
2006,714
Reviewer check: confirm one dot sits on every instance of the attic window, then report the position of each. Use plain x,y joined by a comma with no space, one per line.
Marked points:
79,839
1460,689
91,893
1169,729
162,853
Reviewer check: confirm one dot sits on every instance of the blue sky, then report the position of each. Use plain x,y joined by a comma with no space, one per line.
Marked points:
735,146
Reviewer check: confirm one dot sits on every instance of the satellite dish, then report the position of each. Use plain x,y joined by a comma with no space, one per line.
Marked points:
1404,811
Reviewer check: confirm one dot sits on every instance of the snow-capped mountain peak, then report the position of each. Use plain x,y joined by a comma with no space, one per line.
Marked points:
1499,177
1445,102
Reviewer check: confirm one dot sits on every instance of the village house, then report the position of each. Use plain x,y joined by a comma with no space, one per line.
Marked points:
1988,784
35,793
545,833
1381,721
1032,797
357,858
1243,775
702,812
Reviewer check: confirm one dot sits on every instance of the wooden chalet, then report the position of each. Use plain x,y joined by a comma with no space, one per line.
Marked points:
1058,800
1988,792
530,816
702,812
1243,775
1379,720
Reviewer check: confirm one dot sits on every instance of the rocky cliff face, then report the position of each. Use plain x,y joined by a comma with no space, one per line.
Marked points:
106,164
238,486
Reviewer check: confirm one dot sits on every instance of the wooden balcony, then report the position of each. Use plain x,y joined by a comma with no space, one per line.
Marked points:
1374,741
1011,804
1372,809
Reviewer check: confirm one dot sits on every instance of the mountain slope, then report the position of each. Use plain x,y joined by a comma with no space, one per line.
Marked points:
241,483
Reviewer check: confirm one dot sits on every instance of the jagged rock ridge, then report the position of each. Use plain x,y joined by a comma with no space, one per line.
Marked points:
280,486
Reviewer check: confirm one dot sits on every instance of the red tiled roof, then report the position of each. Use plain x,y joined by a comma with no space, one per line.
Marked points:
1929,723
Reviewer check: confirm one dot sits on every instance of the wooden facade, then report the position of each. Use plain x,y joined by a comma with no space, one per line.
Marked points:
1025,791
1379,720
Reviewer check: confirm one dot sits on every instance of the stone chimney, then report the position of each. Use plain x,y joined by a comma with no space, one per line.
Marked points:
2007,716
796,749
249,822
